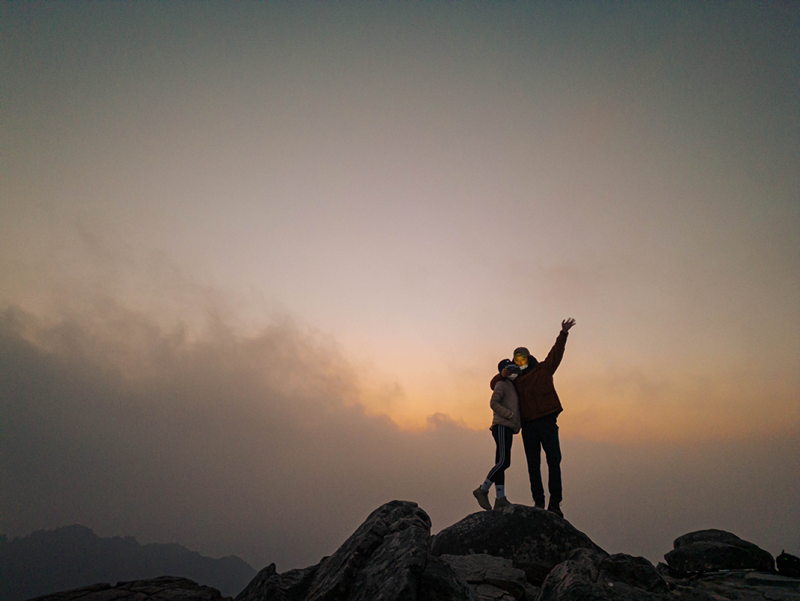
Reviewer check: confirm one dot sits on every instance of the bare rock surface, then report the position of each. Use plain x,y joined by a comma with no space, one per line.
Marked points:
499,555
713,550
384,558
441,583
289,586
788,565
588,574
496,572
387,558
535,540
165,588
737,585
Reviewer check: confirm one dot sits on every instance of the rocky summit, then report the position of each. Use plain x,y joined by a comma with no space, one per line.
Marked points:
517,553
534,539
713,550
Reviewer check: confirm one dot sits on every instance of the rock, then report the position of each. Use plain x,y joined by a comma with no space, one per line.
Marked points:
488,592
704,536
760,579
268,584
441,583
386,558
534,539
165,588
788,565
634,571
383,559
485,569
487,556
532,592
589,574
713,550
738,586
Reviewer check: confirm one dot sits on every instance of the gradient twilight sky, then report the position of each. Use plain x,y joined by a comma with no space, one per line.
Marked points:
286,244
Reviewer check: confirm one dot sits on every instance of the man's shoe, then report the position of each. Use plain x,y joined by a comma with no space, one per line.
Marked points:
501,502
483,498
554,507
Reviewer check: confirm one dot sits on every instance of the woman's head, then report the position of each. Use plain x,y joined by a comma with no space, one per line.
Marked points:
508,369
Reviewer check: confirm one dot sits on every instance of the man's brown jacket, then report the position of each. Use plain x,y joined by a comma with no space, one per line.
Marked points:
535,387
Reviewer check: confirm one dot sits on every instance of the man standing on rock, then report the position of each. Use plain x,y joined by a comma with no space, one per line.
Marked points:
539,407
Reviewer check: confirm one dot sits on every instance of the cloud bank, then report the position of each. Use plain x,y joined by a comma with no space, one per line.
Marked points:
258,445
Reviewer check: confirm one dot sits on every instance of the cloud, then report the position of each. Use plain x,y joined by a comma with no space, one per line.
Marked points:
255,445
258,445
668,404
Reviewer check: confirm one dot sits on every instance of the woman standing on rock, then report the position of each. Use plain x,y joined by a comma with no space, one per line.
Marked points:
506,423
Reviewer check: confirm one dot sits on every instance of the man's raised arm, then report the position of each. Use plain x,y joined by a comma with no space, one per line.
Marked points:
556,353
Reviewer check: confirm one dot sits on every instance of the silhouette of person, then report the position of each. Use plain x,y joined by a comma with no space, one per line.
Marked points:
505,423
539,407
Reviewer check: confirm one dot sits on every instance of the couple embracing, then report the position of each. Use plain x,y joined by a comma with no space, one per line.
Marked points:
524,397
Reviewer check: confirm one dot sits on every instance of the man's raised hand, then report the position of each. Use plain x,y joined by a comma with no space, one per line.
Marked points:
567,324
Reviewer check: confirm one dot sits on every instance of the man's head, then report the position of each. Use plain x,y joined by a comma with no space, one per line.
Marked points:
523,358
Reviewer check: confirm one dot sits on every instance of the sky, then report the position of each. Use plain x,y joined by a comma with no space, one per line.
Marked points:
260,261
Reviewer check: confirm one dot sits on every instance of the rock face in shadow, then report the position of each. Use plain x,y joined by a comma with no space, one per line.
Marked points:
441,583
535,540
491,577
588,574
709,565
166,588
289,586
788,565
386,558
503,555
737,586
713,550
388,552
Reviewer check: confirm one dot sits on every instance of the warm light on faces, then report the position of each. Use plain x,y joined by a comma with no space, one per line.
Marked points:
520,360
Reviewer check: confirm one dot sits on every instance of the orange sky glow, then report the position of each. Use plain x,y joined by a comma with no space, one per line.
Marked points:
275,251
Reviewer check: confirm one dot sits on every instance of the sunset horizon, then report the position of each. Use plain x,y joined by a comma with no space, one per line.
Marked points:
261,260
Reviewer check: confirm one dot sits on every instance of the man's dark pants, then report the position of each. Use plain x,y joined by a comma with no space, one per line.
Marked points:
538,434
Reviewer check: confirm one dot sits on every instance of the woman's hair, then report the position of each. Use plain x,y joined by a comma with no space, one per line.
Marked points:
509,365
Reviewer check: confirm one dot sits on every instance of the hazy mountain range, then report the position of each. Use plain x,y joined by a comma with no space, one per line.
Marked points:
47,561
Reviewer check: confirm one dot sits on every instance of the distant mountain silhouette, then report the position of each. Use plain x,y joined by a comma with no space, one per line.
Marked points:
73,556
524,554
